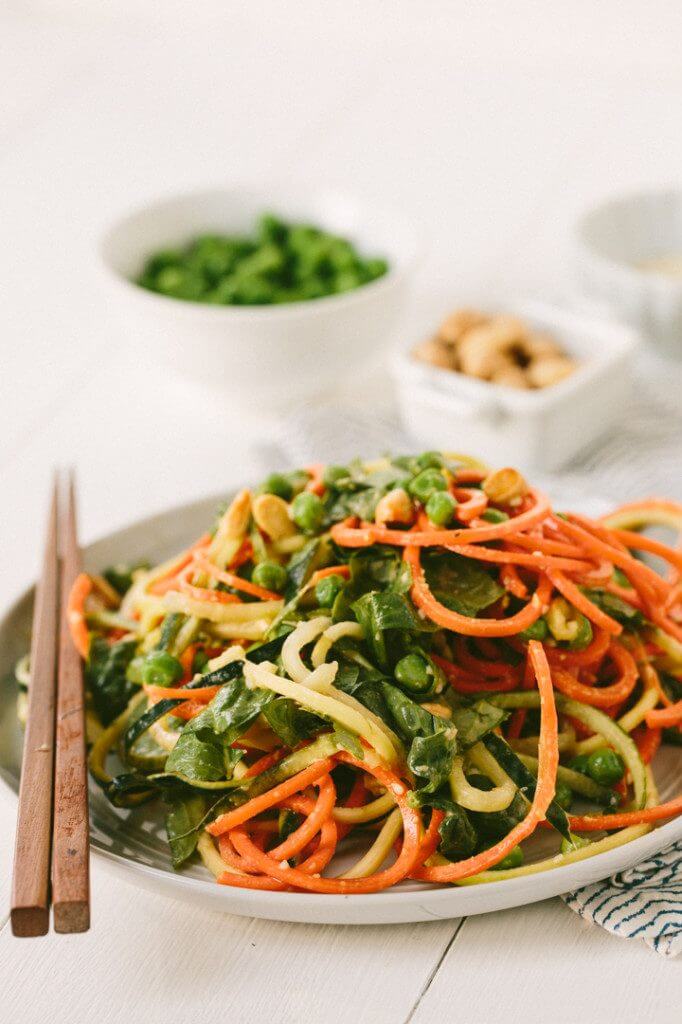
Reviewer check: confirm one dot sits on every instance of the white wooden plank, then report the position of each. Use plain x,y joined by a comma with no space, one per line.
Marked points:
543,964
151,959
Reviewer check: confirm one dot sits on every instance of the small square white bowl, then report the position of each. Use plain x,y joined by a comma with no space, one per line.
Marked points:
539,429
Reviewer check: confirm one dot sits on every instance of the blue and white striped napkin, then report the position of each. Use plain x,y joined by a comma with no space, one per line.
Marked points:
644,902
640,458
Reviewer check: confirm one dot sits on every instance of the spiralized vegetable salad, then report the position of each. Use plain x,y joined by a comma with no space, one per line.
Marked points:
416,653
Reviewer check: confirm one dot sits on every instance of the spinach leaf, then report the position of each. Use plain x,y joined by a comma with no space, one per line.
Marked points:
291,722
379,611
198,755
476,721
616,607
460,583
408,718
432,739
458,838
430,758
301,566
183,819
233,709
458,835
378,568
202,751
105,675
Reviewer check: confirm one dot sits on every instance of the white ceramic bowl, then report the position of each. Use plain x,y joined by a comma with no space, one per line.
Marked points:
537,430
612,240
272,353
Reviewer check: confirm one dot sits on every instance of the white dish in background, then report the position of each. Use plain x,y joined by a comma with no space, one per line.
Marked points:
613,240
132,843
535,429
272,353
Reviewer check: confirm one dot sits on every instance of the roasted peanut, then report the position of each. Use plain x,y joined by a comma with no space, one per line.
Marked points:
435,352
271,514
510,376
235,520
505,486
537,346
395,507
455,326
542,373
484,350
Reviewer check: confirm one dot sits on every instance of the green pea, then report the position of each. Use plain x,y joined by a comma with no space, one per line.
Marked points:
346,281
332,475
512,860
537,631
494,515
576,843
423,486
579,764
605,766
563,795
429,460
270,575
440,508
277,484
307,511
415,673
161,669
375,268
328,589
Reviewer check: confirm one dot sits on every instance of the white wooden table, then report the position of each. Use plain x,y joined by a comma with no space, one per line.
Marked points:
491,127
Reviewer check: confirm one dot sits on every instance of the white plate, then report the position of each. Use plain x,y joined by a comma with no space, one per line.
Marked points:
132,842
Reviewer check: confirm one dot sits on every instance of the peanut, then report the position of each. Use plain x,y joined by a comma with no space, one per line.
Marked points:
395,507
505,486
542,373
435,352
271,514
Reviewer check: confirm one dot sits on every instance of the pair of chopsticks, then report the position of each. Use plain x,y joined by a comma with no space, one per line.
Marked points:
51,856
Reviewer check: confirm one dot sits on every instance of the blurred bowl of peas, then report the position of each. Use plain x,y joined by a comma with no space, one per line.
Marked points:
271,293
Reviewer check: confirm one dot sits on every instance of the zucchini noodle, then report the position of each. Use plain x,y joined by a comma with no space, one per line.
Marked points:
472,799
329,638
380,848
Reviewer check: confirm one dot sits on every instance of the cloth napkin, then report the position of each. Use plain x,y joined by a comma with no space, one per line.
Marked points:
641,458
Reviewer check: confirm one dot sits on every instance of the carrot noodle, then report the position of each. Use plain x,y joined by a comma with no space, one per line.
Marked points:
470,503
331,570
442,616
168,581
665,717
236,582
605,696
313,771
227,821
348,536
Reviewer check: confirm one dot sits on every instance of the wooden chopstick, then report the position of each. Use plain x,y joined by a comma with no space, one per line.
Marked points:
71,835
30,908
52,850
